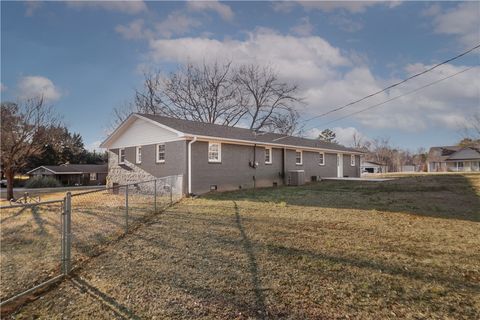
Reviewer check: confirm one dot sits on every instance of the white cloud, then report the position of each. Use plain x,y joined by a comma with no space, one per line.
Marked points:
31,7
306,58
34,86
2,87
134,30
176,23
222,9
127,7
329,6
344,136
304,28
462,21
95,146
345,23
329,77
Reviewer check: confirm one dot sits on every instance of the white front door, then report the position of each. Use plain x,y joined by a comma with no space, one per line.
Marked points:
339,165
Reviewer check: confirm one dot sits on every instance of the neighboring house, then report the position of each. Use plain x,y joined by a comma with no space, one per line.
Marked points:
453,158
372,167
216,157
74,174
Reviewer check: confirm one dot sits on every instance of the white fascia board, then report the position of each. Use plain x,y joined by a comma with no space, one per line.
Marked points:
268,144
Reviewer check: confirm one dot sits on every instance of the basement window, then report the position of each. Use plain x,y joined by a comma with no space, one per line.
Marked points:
214,152
352,160
268,155
121,156
321,160
298,157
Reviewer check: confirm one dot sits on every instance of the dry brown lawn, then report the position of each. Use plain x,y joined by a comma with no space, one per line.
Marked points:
407,248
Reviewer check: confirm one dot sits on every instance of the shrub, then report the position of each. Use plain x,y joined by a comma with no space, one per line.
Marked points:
42,182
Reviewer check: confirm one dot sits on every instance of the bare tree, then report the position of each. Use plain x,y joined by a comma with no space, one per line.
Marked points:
360,142
267,97
203,93
24,132
285,123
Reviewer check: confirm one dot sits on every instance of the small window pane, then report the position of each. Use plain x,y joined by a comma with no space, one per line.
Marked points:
161,153
298,157
214,152
322,158
122,155
352,160
268,155
93,176
139,154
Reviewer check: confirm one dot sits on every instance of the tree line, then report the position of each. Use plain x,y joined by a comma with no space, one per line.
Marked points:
32,135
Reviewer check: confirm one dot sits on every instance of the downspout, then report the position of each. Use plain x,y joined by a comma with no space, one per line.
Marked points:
190,165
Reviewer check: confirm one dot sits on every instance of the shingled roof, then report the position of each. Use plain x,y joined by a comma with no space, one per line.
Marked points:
195,128
451,153
75,168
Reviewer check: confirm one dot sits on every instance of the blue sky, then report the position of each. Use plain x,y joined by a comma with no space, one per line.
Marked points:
88,57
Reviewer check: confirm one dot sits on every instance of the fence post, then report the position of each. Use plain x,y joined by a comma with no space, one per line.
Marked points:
171,191
66,233
155,195
126,209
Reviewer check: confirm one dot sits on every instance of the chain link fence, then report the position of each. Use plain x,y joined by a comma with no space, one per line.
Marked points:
42,242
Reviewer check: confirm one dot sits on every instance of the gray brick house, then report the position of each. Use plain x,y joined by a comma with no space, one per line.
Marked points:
216,157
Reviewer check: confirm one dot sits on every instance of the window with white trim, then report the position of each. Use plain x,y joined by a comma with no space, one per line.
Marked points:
214,152
93,176
321,160
298,157
160,154
352,160
121,156
138,154
268,155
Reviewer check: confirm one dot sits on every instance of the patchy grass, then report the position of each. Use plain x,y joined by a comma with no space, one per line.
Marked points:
31,236
406,248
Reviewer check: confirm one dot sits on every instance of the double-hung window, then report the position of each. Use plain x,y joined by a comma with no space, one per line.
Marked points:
160,154
321,160
268,155
352,160
121,156
138,154
214,152
298,157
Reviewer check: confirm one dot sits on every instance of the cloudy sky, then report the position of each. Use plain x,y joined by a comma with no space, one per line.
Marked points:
88,57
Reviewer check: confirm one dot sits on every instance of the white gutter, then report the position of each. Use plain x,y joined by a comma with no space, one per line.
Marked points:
190,165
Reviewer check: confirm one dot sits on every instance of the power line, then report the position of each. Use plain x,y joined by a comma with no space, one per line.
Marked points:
400,96
395,84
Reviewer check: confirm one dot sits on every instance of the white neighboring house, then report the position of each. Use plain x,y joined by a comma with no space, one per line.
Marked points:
372,167
454,159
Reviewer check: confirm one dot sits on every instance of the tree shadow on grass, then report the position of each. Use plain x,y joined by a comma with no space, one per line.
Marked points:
453,196
120,311
253,267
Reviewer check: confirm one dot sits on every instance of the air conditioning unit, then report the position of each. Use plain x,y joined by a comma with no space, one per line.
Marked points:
296,177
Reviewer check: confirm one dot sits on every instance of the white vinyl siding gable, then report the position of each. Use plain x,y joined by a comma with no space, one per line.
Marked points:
140,133
160,153
214,152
